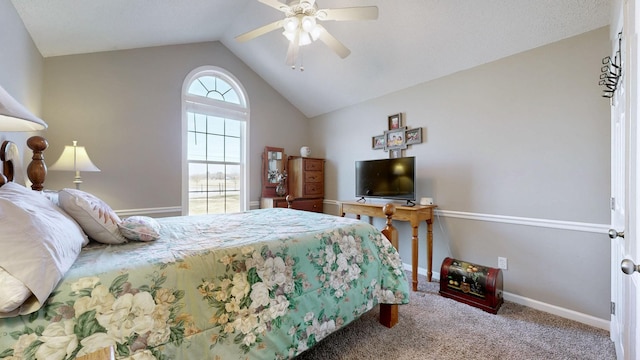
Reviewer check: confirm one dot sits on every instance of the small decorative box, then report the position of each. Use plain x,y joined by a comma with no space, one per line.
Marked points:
472,284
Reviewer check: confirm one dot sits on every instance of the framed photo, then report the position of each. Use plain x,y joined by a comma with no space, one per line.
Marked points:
377,142
395,121
395,139
414,136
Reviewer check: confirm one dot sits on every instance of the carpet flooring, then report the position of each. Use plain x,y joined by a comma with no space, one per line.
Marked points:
434,327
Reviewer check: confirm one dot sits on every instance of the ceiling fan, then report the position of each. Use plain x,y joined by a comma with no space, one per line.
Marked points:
301,25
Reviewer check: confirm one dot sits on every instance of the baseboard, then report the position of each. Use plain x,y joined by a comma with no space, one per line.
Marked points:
538,305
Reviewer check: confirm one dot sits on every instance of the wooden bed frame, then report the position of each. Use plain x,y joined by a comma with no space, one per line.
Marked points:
37,171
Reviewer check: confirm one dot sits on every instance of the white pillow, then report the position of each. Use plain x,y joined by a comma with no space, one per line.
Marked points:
13,292
95,217
142,228
39,244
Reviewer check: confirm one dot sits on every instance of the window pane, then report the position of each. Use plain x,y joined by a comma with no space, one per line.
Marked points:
196,122
209,82
232,188
216,125
233,178
232,201
232,149
216,196
233,127
197,89
197,203
196,146
217,175
197,177
215,148
232,97
223,87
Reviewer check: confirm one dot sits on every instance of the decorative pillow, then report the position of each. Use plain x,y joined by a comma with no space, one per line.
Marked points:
39,244
95,217
142,228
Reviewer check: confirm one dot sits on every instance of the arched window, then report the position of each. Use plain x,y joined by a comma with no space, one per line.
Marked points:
215,121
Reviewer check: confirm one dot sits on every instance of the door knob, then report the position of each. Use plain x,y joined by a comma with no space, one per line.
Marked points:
628,267
614,234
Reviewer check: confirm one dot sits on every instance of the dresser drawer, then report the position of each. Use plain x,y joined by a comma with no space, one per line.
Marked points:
313,164
314,205
279,202
313,176
314,189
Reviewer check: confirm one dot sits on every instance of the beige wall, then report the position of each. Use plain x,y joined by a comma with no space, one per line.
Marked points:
125,107
526,136
21,67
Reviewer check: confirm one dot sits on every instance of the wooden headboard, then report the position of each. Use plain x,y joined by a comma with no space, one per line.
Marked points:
37,169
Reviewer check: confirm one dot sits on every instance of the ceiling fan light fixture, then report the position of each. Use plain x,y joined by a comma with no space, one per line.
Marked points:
291,24
308,23
315,33
305,39
290,35
302,25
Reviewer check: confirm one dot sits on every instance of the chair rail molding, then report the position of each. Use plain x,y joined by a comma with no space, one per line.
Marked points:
525,221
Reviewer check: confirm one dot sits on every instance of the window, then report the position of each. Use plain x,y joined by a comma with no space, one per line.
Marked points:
215,119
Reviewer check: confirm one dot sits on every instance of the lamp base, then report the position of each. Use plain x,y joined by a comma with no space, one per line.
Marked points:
77,180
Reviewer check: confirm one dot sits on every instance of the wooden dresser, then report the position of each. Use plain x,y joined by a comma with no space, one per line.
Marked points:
306,182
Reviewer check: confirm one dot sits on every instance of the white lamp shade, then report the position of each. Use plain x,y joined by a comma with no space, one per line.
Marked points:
66,161
15,117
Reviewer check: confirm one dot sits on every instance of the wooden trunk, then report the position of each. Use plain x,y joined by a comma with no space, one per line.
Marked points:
472,284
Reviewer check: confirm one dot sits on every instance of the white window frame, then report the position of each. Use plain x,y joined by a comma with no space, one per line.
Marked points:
216,108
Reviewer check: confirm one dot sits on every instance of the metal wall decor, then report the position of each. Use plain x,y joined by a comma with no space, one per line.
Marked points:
611,71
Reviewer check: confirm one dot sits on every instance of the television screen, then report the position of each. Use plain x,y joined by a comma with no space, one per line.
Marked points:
386,178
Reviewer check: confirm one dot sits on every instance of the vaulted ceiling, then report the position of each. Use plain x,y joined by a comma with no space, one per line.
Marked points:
412,41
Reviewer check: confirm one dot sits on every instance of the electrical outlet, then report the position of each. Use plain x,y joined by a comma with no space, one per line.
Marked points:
502,263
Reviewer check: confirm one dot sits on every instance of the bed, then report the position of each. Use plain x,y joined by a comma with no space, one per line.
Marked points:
260,284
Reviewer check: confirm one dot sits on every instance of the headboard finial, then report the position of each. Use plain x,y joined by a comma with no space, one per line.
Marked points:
37,169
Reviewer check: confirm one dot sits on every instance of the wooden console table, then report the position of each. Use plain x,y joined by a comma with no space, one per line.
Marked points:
414,215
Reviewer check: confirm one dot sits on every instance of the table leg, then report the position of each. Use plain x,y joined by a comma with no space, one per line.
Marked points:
414,256
429,249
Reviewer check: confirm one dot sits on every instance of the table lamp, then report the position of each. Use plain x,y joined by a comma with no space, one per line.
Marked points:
74,158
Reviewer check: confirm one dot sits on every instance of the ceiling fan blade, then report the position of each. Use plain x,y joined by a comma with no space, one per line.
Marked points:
353,13
332,42
259,31
292,51
275,4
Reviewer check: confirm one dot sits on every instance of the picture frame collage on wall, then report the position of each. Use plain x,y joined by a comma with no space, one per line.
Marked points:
397,137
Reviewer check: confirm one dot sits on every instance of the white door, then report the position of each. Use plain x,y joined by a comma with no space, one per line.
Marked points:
624,183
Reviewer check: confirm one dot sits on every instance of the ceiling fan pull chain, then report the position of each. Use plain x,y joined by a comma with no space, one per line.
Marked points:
301,60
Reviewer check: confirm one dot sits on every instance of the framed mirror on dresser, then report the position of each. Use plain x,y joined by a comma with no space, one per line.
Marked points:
274,170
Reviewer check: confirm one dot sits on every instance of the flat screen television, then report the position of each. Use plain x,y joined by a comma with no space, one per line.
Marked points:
387,179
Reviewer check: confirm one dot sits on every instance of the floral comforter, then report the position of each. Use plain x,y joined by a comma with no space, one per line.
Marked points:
263,284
